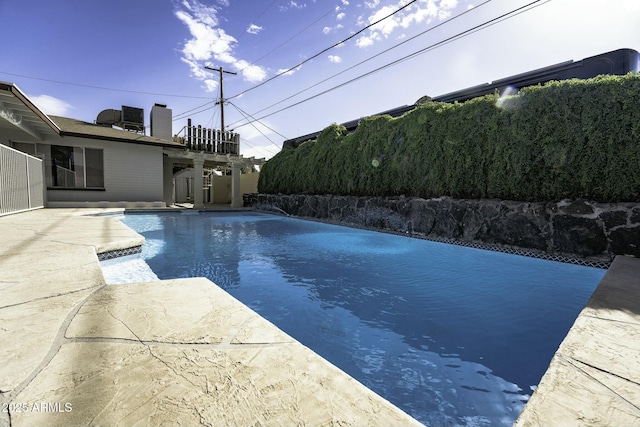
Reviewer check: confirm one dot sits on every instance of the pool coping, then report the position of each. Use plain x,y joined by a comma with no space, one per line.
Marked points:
594,377
78,351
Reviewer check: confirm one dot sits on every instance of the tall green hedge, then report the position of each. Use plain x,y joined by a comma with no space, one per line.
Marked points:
567,139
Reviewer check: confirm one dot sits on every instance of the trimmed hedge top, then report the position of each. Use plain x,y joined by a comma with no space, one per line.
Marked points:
568,139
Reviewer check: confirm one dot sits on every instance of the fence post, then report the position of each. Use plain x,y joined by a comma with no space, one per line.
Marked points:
44,179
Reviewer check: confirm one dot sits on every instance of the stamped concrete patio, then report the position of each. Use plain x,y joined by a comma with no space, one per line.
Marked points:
177,352
184,352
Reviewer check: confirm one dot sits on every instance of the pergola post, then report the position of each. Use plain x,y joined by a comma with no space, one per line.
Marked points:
167,180
236,195
198,182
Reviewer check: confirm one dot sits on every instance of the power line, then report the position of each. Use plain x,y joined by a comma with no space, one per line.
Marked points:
373,57
245,32
291,38
182,115
259,147
323,51
263,12
101,87
245,114
245,142
462,34
256,128
212,119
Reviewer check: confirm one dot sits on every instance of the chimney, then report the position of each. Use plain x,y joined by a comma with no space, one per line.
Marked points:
161,122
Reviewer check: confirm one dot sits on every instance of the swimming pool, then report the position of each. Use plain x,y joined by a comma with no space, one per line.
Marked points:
452,335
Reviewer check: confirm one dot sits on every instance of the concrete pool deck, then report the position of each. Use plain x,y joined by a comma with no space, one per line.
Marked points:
184,352
176,352
594,377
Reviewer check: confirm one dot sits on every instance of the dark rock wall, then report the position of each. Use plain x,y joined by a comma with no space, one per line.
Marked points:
574,227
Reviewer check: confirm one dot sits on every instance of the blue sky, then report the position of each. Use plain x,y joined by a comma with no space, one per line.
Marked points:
76,58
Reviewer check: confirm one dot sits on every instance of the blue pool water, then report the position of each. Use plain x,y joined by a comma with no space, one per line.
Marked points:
452,335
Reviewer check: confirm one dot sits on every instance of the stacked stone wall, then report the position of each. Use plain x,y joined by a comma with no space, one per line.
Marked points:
573,227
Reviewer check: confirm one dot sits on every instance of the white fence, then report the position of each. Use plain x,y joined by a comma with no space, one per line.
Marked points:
21,181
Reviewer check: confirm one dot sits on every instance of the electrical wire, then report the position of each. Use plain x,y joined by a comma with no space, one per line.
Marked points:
290,38
184,114
373,57
258,147
263,12
245,114
458,36
181,115
323,51
212,119
245,32
256,128
102,88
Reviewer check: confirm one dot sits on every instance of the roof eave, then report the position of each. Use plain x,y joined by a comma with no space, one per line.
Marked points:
116,139
15,91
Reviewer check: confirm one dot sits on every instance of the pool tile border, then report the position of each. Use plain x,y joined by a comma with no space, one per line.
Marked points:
595,263
529,253
119,253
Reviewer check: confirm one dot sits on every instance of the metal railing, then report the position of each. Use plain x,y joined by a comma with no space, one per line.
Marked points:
199,138
22,185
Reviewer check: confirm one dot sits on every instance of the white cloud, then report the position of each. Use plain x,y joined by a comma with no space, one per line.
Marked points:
326,30
254,29
210,85
251,73
340,16
365,41
50,105
288,72
210,43
386,26
335,59
448,4
422,11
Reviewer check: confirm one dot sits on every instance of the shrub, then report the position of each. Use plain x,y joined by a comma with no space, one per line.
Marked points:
567,139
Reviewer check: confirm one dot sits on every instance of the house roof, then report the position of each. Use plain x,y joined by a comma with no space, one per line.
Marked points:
82,129
21,119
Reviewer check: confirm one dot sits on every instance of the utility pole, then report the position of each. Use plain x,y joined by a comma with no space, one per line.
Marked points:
221,93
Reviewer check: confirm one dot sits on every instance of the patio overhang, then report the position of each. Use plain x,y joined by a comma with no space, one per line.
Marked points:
20,118
211,159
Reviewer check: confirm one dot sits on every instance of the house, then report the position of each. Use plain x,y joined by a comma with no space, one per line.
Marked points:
98,165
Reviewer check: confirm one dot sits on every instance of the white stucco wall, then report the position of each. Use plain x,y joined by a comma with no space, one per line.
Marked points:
184,186
249,182
132,173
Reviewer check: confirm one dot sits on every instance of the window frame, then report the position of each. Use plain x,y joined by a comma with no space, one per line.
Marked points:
45,153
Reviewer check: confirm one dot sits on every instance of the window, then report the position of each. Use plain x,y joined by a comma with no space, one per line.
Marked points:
94,172
26,147
75,167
